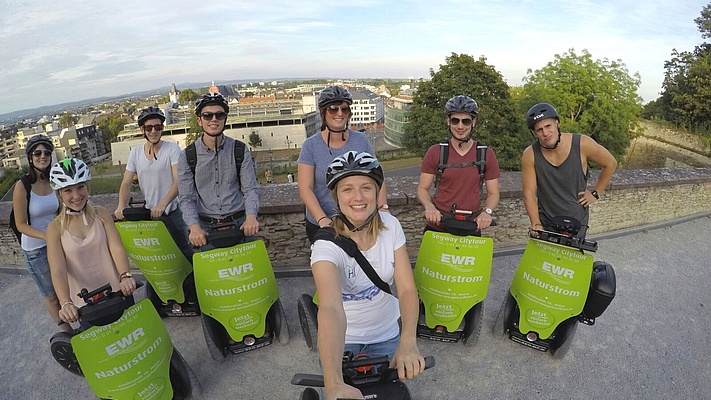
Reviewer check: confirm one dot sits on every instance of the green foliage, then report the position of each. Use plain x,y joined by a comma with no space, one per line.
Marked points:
498,123
594,97
9,177
704,22
112,126
67,120
194,131
187,96
254,140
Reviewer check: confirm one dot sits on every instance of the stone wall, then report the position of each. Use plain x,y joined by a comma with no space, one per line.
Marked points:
633,198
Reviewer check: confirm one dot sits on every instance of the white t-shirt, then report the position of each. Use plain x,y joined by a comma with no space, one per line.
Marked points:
371,314
155,175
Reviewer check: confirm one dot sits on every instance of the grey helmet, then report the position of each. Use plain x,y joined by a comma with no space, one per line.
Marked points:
354,163
36,140
540,111
148,113
334,94
462,104
67,172
210,99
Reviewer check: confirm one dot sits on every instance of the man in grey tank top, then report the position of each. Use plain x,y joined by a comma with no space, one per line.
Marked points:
555,170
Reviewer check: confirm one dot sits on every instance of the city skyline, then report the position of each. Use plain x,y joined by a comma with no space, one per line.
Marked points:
85,49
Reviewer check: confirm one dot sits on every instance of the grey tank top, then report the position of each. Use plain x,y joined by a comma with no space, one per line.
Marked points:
558,187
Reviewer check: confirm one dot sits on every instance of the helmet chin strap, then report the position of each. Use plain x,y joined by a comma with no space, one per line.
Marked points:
554,146
74,212
461,141
352,227
330,131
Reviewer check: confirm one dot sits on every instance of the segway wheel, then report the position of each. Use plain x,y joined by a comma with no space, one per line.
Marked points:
308,317
63,353
155,300
472,324
182,378
564,338
503,318
310,394
281,328
215,338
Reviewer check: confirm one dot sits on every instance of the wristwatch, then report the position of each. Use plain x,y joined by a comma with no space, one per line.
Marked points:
595,194
488,211
125,275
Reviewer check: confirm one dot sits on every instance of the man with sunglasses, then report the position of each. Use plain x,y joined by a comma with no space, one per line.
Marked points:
555,170
210,190
458,185
155,163
317,153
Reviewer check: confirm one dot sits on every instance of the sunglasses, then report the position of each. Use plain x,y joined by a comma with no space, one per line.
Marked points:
38,153
207,116
157,128
465,121
333,109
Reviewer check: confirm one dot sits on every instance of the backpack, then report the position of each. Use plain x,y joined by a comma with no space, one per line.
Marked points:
191,155
444,155
28,188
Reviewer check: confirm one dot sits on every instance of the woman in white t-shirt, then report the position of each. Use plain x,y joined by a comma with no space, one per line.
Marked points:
354,314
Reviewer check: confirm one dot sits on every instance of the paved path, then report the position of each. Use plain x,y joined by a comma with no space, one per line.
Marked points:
652,343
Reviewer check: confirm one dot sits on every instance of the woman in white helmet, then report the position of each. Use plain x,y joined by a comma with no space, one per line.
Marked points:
83,245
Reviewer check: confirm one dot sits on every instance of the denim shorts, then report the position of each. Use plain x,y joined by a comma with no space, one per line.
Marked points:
38,265
386,348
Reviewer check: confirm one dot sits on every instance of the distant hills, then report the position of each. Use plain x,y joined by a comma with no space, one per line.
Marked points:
38,112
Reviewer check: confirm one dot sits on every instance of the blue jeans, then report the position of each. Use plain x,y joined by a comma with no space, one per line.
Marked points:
386,348
176,227
238,222
38,265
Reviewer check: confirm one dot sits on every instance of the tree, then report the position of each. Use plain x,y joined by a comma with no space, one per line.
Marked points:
498,124
194,130
112,126
187,96
594,97
255,140
703,22
67,120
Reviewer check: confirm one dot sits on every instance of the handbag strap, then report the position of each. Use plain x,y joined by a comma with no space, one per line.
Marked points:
351,248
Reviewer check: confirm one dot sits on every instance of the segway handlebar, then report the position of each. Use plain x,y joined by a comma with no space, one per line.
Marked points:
224,235
575,241
103,304
359,371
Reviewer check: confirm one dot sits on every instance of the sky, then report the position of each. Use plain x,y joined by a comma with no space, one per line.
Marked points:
60,51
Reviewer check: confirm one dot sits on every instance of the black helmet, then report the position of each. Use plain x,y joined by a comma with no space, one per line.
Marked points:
148,113
211,99
353,163
462,104
334,94
36,140
540,111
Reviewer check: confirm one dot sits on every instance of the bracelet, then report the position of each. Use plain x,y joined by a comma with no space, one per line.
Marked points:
319,220
62,307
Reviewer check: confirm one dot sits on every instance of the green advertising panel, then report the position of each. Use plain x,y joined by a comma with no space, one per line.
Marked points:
551,285
236,286
129,358
452,275
150,246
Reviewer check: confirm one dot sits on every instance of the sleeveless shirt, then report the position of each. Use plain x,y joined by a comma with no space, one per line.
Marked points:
557,188
89,262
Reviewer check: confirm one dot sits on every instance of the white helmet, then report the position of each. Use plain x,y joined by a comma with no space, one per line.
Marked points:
67,172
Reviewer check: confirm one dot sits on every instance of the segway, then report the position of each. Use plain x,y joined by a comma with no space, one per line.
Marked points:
452,275
372,376
149,245
126,353
238,294
555,287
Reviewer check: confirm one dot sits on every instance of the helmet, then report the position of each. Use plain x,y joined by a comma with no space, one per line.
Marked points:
462,104
36,140
211,99
148,113
354,163
334,94
540,111
67,172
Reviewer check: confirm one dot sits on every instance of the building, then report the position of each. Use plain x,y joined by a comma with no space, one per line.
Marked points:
397,115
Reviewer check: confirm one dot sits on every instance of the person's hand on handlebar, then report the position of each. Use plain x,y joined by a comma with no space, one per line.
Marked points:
408,361
69,312
198,236
342,391
432,214
250,226
483,220
127,284
119,213
157,211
